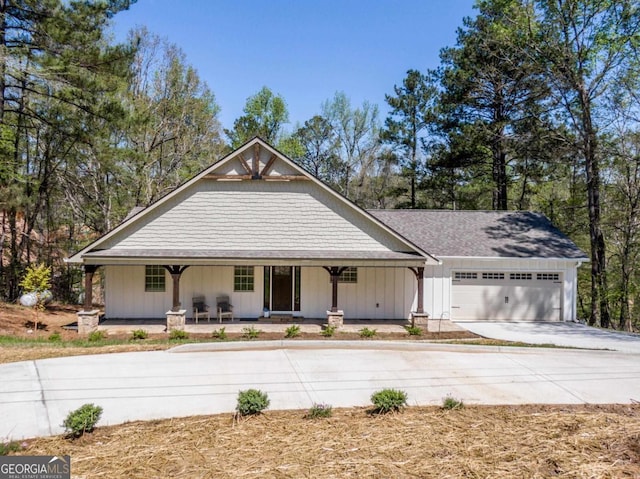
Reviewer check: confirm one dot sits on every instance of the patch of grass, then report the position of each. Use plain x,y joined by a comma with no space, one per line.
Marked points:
251,402
319,411
16,340
83,419
367,333
178,334
451,403
413,330
329,331
7,448
55,337
388,400
138,334
219,334
250,332
96,336
292,331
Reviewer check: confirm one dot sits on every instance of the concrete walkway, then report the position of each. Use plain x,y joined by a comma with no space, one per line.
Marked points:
559,333
35,396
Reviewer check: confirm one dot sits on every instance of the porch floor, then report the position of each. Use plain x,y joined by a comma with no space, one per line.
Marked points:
115,326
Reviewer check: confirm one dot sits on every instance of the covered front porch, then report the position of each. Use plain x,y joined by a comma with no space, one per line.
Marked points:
308,292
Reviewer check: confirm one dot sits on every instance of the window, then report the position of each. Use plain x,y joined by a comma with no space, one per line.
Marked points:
492,275
519,276
154,279
243,278
548,276
349,275
464,275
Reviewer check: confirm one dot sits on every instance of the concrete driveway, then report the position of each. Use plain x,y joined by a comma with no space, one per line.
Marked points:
35,396
559,333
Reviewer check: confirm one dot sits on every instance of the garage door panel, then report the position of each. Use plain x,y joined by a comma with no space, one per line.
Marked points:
531,300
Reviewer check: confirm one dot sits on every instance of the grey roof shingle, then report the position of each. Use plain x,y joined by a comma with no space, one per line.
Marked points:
506,234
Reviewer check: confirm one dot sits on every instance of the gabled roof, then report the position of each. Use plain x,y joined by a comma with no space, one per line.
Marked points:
270,166
491,234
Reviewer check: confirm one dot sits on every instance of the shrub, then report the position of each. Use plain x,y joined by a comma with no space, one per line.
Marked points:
96,336
219,334
292,331
329,331
177,334
414,330
367,333
452,403
139,334
251,402
82,420
319,410
250,332
388,400
8,447
54,337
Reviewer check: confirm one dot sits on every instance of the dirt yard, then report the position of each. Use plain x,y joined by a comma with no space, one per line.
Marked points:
474,442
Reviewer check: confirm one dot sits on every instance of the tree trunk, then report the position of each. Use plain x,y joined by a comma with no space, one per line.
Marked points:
3,55
599,299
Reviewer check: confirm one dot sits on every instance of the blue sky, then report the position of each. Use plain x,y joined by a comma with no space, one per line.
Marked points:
304,50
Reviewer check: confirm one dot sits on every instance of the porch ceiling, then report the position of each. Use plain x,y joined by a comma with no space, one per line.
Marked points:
254,257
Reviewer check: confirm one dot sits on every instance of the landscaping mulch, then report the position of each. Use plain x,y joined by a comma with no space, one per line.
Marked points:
421,442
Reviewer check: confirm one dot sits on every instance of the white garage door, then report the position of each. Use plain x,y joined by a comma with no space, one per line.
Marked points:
523,296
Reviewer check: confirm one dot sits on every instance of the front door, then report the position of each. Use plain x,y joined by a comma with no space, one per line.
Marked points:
282,288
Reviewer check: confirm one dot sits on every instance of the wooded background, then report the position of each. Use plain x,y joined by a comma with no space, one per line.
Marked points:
534,108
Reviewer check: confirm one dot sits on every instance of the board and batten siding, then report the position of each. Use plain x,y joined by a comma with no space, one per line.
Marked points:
380,293
260,215
438,284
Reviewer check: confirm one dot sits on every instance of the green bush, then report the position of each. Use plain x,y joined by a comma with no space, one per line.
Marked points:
292,331
452,403
250,332
55,337
96,336
219,334
177,334
8,447
367,333
329,331
139,334
319,410
82,420
388,400
414,330
251,402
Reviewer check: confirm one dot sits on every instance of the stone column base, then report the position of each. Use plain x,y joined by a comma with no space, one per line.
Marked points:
88,321
176,319
419,319
335,318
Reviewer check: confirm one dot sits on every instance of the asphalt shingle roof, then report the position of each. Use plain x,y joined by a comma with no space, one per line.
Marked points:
505,234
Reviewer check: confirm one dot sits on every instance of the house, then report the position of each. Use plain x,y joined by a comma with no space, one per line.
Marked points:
258,228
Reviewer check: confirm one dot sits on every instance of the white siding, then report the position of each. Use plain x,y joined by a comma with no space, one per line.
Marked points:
255,215
380,293
438,289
